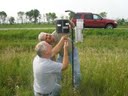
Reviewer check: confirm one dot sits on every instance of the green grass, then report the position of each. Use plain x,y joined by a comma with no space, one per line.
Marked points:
26,25
103,58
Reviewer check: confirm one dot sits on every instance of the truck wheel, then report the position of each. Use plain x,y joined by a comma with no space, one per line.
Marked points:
109,26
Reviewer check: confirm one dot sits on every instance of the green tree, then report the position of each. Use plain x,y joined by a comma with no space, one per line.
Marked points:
20,15
3,16
29,16
36,14
33,15
103,14
51,17
39,18
121,21
11,20
48,17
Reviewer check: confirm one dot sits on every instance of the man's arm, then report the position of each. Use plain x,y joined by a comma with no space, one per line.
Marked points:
72,25
65,57
59,45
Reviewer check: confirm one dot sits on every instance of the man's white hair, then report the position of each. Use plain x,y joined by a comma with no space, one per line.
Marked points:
41,48
41,35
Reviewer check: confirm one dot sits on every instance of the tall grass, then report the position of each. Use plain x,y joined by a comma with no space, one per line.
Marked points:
104,63
103,57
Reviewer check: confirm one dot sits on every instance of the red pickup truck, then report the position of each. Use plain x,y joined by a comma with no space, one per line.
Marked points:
92,20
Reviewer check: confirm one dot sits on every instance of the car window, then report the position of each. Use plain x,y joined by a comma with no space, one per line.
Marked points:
88,16
96,17
77,16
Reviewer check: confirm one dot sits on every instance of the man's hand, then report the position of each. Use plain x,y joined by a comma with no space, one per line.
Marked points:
71,24
66,44
64,38
59,45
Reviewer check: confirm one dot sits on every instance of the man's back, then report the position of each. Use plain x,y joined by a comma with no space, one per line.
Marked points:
45,72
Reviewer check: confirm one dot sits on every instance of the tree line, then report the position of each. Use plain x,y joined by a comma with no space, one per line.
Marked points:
34,16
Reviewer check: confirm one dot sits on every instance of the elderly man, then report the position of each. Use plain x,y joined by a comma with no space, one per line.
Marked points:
54,39
45,70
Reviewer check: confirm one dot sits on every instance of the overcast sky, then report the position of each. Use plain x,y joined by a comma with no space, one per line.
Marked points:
114,8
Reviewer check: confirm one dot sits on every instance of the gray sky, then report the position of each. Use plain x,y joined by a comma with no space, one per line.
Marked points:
114,8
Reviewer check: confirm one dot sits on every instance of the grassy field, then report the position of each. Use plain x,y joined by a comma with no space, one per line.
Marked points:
26,25
103,57
39,26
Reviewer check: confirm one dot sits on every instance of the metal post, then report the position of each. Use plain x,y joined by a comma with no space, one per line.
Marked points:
72,51
72,57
